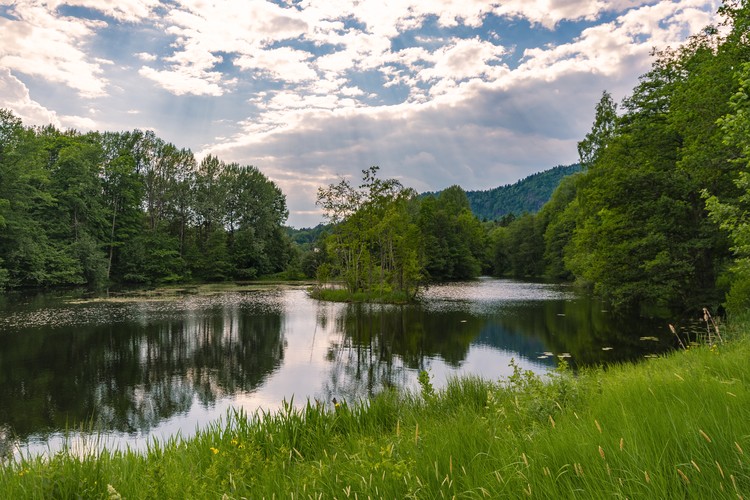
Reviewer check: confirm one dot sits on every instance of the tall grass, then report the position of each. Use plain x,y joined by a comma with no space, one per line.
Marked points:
672,427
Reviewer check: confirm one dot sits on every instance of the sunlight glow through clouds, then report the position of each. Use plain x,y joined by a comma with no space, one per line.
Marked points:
436,92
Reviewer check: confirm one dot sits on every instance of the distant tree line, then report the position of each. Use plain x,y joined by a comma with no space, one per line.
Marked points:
129,208
528,195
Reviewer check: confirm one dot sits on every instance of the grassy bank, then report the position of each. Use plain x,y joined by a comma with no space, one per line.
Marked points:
672,427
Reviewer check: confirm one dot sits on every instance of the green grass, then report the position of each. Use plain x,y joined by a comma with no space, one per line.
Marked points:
672,427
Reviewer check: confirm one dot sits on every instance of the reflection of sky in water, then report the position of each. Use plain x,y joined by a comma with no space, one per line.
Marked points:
317,359
488,295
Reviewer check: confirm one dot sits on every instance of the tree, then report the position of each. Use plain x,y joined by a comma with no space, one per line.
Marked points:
604,128
640,230
375,242
732,215
454,240
122,192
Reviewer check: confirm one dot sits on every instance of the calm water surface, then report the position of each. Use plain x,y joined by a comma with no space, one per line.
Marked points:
152,368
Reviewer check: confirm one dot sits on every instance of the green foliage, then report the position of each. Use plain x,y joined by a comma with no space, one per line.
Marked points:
519,248
528,195
604,128
732,214
374,246
427,389
453,239
128,207
384,296
634,225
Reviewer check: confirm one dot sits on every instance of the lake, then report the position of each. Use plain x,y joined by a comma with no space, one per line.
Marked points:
134,369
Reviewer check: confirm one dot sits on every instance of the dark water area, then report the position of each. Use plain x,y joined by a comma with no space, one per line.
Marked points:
124,372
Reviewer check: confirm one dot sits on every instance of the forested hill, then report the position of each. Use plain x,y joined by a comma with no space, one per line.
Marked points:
525,196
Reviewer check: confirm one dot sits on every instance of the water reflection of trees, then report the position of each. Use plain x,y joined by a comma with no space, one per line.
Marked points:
582,328
129,377
379,344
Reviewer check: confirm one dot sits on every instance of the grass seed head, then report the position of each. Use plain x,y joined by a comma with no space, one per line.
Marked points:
683,476
622,443
601,453
705,436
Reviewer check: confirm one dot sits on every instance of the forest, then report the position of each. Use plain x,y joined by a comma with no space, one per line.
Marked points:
101,209
657,215
526,195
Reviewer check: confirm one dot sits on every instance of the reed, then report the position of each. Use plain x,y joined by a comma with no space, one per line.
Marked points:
672,427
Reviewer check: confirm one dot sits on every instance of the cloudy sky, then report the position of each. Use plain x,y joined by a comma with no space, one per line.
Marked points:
478,93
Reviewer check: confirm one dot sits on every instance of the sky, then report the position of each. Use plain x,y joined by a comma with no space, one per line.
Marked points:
477,93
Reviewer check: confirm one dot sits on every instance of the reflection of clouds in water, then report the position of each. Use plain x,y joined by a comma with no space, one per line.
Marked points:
489,296
496,290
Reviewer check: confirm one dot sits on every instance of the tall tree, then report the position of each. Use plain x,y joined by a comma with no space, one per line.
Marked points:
603,130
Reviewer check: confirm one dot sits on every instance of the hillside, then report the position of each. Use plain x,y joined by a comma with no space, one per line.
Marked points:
526,195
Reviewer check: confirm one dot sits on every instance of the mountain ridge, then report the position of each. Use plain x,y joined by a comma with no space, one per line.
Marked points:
526,195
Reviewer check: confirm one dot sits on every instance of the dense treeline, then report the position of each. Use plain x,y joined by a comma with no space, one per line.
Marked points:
634,225
121,208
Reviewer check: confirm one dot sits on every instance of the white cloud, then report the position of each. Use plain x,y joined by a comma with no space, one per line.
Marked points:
39,43
481,125
451,110
15,96
245,28
284,63
79,123
145,56
185,80
464,58
549,13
